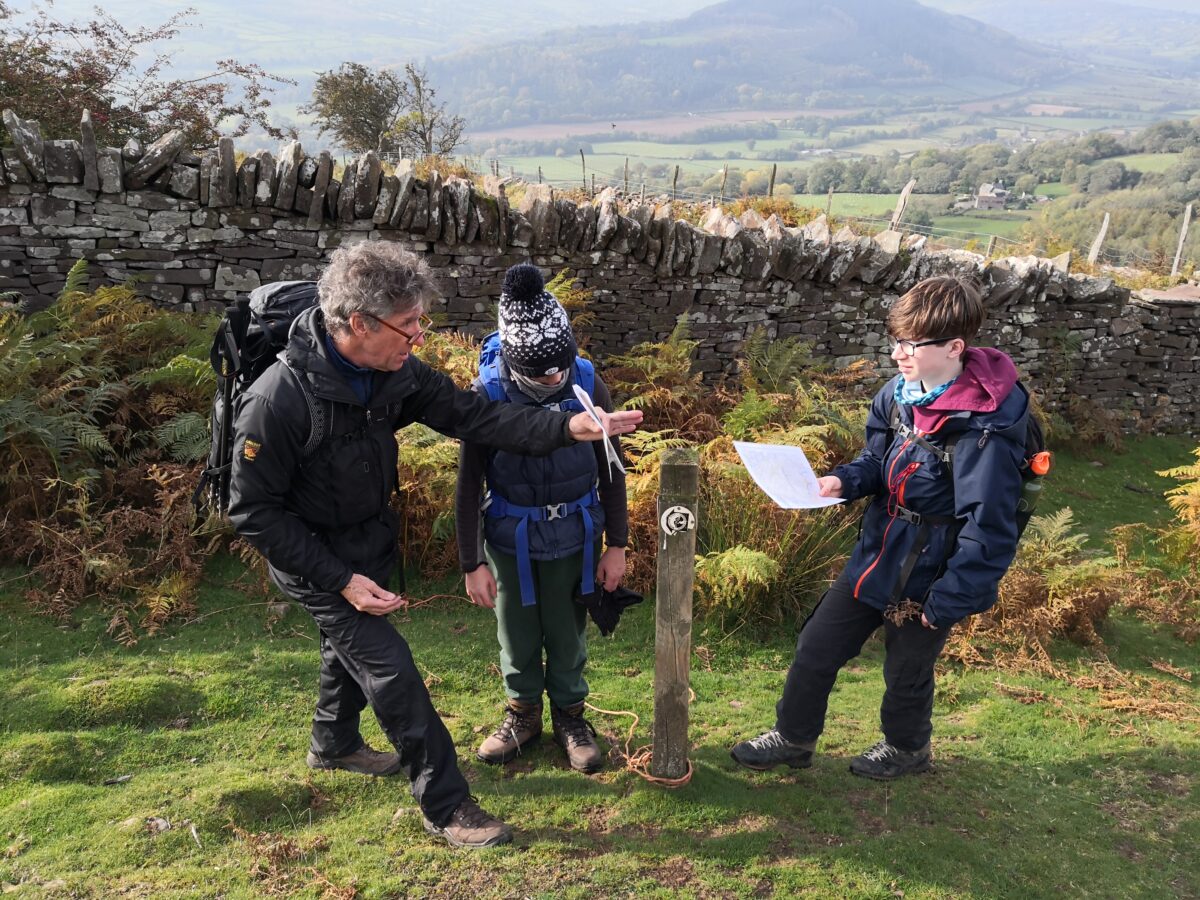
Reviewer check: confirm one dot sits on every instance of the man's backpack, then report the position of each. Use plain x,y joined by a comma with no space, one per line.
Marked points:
1035,462
248,340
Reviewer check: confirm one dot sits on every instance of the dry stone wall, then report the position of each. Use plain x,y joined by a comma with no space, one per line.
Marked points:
196,229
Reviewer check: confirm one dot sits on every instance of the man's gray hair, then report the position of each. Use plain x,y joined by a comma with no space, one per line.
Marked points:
375,278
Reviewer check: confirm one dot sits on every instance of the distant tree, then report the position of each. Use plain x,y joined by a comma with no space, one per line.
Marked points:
425,128
51,70
1026,184
357,105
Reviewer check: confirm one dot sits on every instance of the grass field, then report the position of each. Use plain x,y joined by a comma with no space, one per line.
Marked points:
1147,162
202,731
851,204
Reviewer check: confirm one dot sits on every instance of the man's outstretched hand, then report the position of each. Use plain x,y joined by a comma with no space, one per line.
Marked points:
583,427
366,596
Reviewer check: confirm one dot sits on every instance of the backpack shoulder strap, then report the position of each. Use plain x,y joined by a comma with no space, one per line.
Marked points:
585,375
316,411
489,367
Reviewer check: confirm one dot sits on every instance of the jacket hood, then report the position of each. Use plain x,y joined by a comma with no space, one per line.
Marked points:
987,379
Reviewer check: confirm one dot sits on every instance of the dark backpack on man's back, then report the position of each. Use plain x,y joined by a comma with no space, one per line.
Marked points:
250,337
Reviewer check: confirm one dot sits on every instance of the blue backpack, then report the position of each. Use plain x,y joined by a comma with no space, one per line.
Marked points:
584,374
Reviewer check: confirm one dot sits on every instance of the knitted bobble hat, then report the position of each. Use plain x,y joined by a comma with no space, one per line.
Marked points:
535,333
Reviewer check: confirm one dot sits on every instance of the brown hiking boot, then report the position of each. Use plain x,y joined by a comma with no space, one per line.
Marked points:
363,761
521,726
576,735
471,827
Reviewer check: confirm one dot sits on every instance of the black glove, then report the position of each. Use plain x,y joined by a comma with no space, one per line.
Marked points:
605,607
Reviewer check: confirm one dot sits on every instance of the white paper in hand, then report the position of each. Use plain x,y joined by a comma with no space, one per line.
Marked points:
784,474
590,408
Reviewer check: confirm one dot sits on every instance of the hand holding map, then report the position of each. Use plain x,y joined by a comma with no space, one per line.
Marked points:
784,474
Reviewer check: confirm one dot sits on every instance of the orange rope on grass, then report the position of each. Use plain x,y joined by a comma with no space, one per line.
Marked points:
638,761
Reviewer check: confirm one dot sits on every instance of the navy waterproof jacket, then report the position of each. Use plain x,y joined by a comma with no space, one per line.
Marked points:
954,565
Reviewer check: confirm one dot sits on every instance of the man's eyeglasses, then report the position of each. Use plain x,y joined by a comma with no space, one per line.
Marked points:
424,325
909,348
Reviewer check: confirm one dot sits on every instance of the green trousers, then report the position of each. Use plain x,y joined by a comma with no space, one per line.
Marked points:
555,626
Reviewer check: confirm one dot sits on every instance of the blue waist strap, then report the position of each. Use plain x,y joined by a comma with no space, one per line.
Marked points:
497,507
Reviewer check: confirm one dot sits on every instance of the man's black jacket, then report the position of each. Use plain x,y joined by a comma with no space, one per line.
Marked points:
325,515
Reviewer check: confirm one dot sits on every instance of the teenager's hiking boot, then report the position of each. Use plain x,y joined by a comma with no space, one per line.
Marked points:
576,735
521,726
363,761
471,827
771,749
884,762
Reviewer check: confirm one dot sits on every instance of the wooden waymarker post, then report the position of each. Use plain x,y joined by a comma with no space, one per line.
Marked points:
1094,253
1183,233
677,493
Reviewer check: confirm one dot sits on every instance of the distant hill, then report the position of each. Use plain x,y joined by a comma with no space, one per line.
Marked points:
739,54
1157,35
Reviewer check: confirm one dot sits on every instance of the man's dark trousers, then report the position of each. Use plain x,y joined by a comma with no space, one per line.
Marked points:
832,636
365,660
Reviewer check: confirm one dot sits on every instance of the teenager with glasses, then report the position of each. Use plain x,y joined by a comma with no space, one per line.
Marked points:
934,542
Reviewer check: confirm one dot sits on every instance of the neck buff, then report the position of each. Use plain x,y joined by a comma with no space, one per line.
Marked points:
535,390
913,394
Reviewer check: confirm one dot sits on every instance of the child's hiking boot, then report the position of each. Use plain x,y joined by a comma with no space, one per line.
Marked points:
771,749
471,827
521,726
884,762
576,735
363,761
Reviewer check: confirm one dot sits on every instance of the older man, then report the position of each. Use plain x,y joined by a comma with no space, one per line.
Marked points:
313,473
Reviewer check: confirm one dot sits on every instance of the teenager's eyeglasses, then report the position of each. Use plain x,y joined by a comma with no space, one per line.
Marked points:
424,325
909,348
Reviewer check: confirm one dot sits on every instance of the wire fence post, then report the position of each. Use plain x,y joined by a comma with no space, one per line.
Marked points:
1094,253
583,164
674,183
991,247
642,198
724,176
771,186
679,480
901,204
625,189
829,203
1183,232
539,174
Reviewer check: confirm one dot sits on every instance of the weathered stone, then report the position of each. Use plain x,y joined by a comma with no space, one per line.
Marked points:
404,191
51,211
1062,262
459,191
639,237
64,163
184,181
681,252
587,221
449,222
241,218
345,203
537,206
303,201
520,230
332,195
320,189
27,139
236,278
266,181
150,200
475,222
570,229
15,170
366,185
488,209
289,270
111,168
13,215
157,157
132,151
307,175
223,183
87,152
386,201
289,174
706,253
247,181
606,223
433,227
817,231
